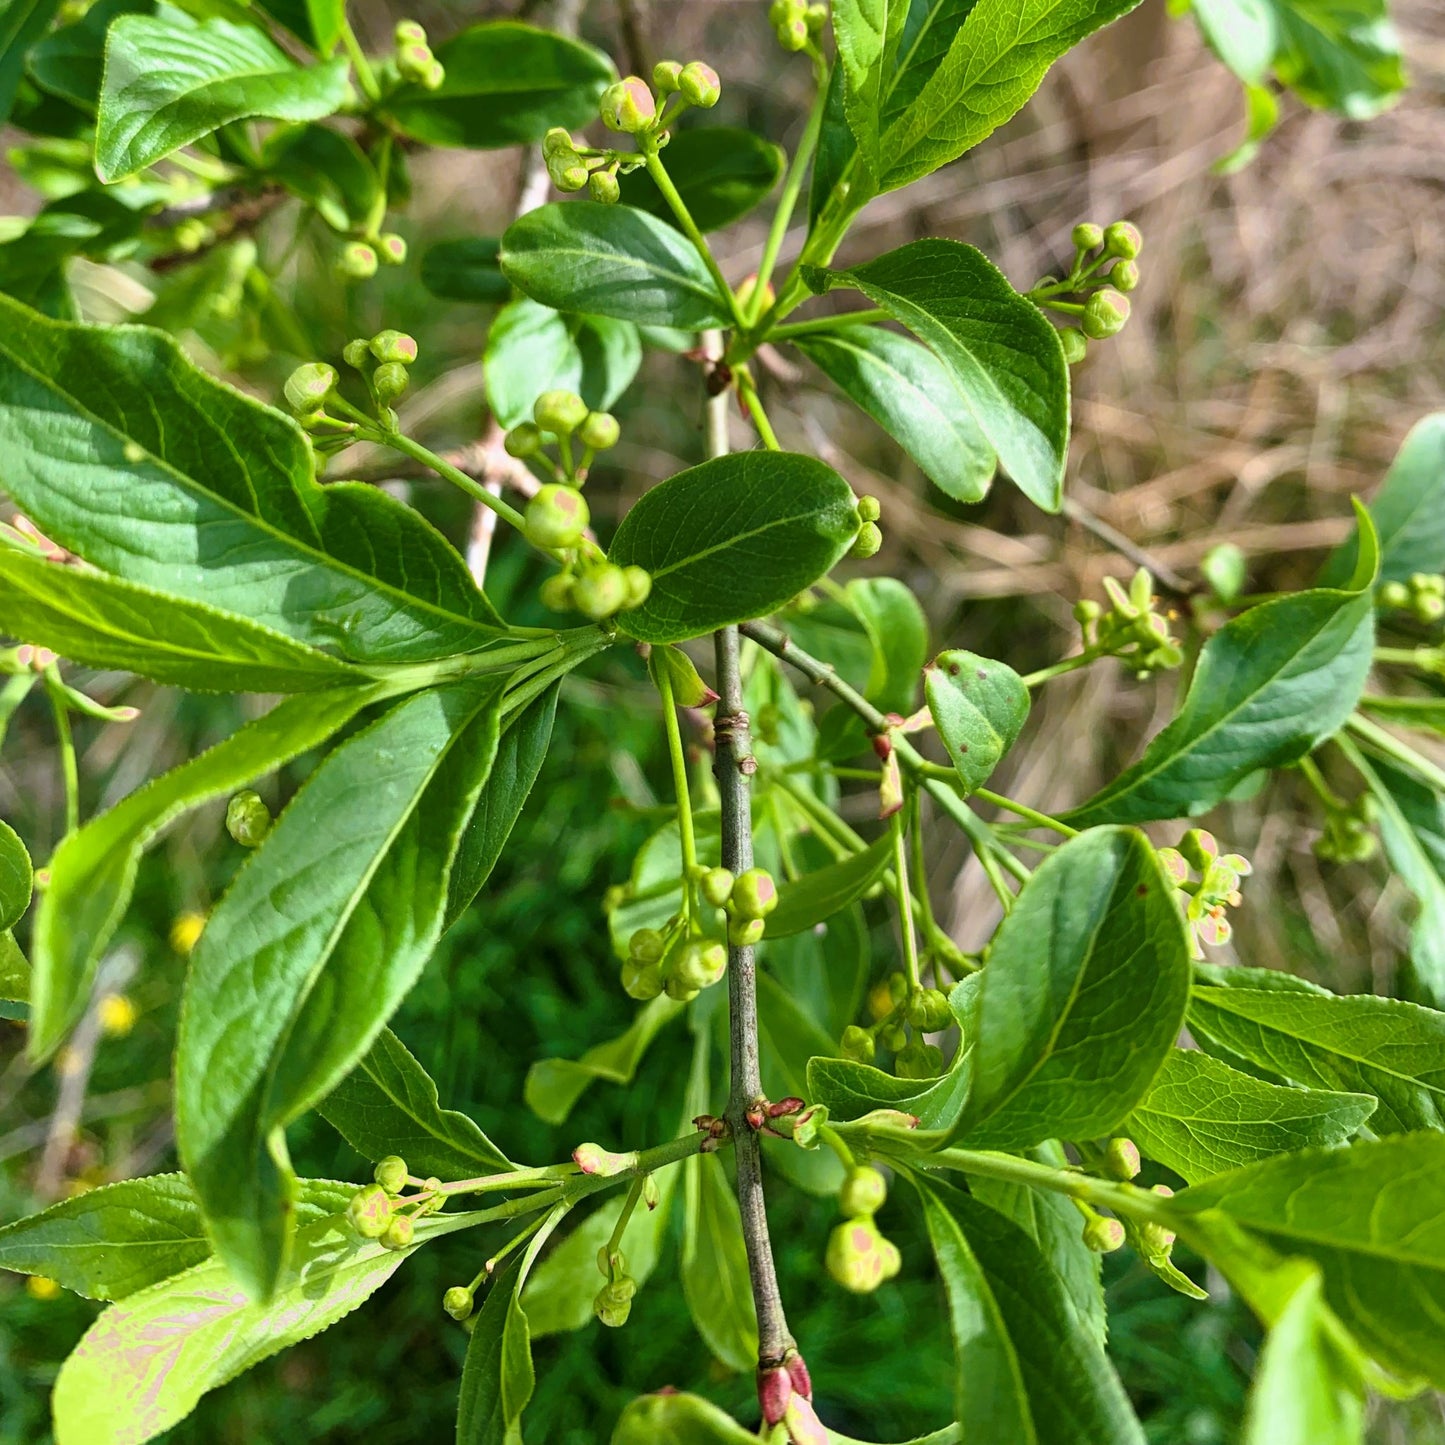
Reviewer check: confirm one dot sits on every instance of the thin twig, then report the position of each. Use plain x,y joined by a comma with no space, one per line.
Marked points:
1162,572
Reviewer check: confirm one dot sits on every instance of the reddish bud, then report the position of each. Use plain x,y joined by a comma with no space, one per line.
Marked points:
775,1391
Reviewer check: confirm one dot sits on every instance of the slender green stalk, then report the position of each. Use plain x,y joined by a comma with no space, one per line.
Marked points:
1309,770
1421,657
1058,669
754,403
69,767
443,468
634,1193
825,324
365,75
15,691
904,895
678,758
1401,752
523,1235
1042,820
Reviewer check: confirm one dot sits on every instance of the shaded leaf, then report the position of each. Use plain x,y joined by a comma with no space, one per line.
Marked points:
809,900
979,707
720,173
17,877
22,23
467,269
714,1264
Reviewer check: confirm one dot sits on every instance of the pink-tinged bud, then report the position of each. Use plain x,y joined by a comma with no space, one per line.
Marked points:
890,788
864,1191
1103,1235
883,746
628,106
1121,1159
594,1159
797,1370
754,894
699,85
802,1422
756,1116
790,1105
370,1211
775,1391
855,1256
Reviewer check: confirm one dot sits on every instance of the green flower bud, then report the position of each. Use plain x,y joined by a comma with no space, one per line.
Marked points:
1075,343
680,991
698,84
629,106
391,249
357,262
647,945
389,380
747,294
1124,276
816,17
856,1257
1123,239
457,1302
782,11
918,1060
1121,1159
393,346
559,412
370,1211
897,988
1103,1235
1086,610
1105,313
665,76
524,440
556,517
744,932
716,886
1087,235
435,76
1394,594
1225,570
600,592
248,819
864,1191
399,1233
1429,607
928,1010
614,1301
357,353
700,965
793,34
857,1044
408,32
391,1173
308,386
568,171
754,894
640,980
639,585
414,60
894,1037
869,509
600,431
555,593
602,187
868,541
594,1159
558,142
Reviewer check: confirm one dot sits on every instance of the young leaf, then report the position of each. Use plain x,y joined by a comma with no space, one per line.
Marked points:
1372,1216
93,871
816,896
554,1085
124,452
146,1361
731,539
68,62
676,1419
898,631
22,23
1380,1046
714,1264
1026,1370
610,261
170,80
467,269
1001,352
15,975
17,877
102,621
327,170
506,85
1200,1117
520,754
388,1104
316,942
979,707
993,65
117,1239
719,172
911,394
868,33
1269,687
1084,994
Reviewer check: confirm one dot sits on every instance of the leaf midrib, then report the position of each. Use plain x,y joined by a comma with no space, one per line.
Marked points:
693,283
733,540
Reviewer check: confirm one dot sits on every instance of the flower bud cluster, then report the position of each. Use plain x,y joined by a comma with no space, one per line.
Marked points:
248,819
797,24
1203,899
1105,269
1131,630
378,1211
901,1008
1423,595
413,58
858,1255
870,534
1349,835
613,1302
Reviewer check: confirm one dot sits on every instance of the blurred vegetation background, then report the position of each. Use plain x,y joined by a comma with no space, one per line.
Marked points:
1287,332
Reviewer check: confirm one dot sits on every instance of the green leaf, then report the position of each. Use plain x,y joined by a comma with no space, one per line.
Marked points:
898,631
912,396
93,871
520,754
816,896
102,621
22,23
1411,817
169,81
467,269
1026,1371
1380,1046
117,1239
559,1294
720,173
15,974
317,23
1268,688
327,170
1201,1117
17,877
1372,1216
732,539
507,84
1408,511
554,1085
714,1265
388,1104
1426,714
68,62
125,453
1307,1388
676,1419
610,261
1083,996
145,1362
867,33
1002,354
994,64
979,707
318,939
